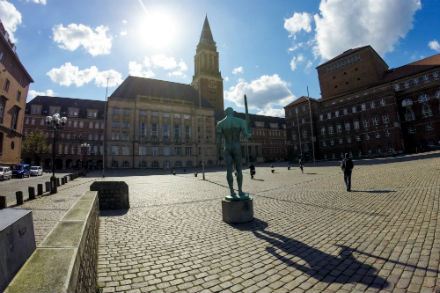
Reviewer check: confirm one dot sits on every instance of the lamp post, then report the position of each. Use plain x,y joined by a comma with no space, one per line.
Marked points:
84,150
54,123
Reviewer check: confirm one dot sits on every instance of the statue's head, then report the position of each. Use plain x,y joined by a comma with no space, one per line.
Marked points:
229,111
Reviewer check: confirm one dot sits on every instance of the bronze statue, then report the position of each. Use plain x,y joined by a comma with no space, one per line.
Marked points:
230,128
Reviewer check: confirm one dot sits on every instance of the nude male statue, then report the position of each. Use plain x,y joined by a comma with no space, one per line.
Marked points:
230,128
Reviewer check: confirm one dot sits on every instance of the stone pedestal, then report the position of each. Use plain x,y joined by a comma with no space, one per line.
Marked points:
237,211
113,195
17,242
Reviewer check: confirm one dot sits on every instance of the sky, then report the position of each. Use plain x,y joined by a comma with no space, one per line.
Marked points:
269,50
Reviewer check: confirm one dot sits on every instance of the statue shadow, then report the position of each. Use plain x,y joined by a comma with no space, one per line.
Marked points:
344,268
255,179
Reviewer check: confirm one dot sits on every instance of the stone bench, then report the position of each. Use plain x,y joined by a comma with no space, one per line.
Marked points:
113,195
66,261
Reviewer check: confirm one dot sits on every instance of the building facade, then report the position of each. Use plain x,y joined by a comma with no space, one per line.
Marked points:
14,86
85,125
369,110
159,124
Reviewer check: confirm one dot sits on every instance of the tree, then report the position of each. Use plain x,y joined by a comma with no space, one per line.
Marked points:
34,145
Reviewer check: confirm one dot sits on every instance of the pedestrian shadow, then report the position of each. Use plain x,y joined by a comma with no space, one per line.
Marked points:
343,269
255,179
374,191
310,173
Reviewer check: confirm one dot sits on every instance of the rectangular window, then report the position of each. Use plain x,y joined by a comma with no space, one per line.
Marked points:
154,129
187,131
127,112
385,119
176,116
176,131
115,150
125,151
92,113
177,151
142,150
353,109
125,124
125,136
73,112
54,110
363,107
188,151
356,124
347,126
186,116
339,128
142,129
7,84
165,131
142,113
366,124
18,96
115,124
116,111
345,111
155,114
321,117
155,151
166,151
14,117
36,109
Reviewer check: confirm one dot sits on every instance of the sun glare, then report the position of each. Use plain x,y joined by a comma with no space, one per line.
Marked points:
157,29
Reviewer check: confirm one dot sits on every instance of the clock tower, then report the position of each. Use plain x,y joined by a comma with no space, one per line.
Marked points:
207,79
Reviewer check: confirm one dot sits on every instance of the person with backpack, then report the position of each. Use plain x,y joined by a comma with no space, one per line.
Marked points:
347,168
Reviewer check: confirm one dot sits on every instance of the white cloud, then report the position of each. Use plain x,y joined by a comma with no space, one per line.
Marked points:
10,18
434,45
266,94
68,74
163,61
298,22
341,26
137,69
32,93
226,78
95,42
295,60
123,33
238,70
37,1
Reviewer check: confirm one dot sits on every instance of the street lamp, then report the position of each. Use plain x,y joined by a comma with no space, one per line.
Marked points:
84,150
54,123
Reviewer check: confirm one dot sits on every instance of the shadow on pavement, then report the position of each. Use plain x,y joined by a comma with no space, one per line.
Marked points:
344,268
112,213
374,191
258,179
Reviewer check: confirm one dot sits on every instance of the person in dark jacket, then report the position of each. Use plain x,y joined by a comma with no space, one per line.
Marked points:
347,167
252,169
301,165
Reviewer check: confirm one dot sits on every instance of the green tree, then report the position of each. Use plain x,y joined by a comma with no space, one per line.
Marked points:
34,145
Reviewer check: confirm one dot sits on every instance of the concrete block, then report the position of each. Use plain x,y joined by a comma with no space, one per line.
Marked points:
237,211
31,190
113,195
17,242
19,196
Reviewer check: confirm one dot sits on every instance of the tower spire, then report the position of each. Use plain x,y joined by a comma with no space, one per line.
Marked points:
206,35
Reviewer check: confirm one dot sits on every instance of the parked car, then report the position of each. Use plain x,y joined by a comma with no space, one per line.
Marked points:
5,173
21,170
36,171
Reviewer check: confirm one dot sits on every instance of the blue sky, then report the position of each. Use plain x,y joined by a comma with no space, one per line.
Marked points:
268,49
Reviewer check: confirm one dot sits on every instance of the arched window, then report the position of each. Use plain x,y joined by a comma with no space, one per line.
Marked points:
426,110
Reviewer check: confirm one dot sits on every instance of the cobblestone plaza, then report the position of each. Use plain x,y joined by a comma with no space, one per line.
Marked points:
309,234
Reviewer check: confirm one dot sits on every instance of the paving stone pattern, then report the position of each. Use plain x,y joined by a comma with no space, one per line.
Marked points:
309,234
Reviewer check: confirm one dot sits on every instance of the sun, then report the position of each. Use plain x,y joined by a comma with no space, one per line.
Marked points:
157,28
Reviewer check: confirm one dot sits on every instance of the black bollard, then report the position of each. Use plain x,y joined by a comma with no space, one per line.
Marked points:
19,196
47,183
31,190
40,189
3,203
58,181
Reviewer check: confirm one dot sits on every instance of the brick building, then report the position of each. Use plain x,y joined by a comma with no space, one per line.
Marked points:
268,142
369,110
85,124
14,86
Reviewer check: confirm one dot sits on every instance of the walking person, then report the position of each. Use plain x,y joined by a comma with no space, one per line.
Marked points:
252,169
347,167
301,165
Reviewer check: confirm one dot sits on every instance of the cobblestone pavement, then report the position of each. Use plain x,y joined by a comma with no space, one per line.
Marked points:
48,210
309,234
